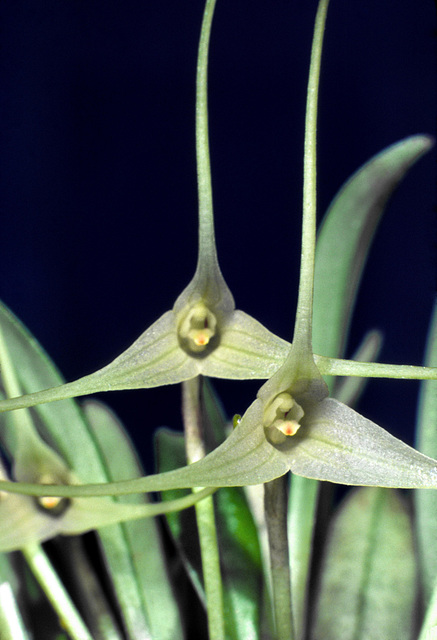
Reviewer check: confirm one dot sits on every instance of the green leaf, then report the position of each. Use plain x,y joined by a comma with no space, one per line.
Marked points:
345,237
133,551
426,501
170,454
368,588
241,565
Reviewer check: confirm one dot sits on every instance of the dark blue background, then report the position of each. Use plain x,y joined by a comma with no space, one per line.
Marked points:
98,187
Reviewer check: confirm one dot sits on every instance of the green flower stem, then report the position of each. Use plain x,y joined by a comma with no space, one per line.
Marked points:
55,591
303,326
205,516
11,624
275,507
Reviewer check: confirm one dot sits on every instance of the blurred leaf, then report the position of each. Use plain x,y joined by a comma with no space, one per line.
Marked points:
301,518
368,578
241,565
170,454
428,630
345,237
133,550
238,543
426,501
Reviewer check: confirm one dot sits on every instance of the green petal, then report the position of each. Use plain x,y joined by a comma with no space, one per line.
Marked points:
247,350
153,360
21,522
334,443
245,458
337,444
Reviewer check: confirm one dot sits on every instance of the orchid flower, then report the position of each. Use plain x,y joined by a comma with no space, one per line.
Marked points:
293,425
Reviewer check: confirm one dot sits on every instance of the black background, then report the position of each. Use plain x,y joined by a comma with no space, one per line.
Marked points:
98,188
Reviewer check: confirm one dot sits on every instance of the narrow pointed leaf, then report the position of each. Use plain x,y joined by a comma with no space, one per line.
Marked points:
137,568
346,235
368,587
170,454
426,501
